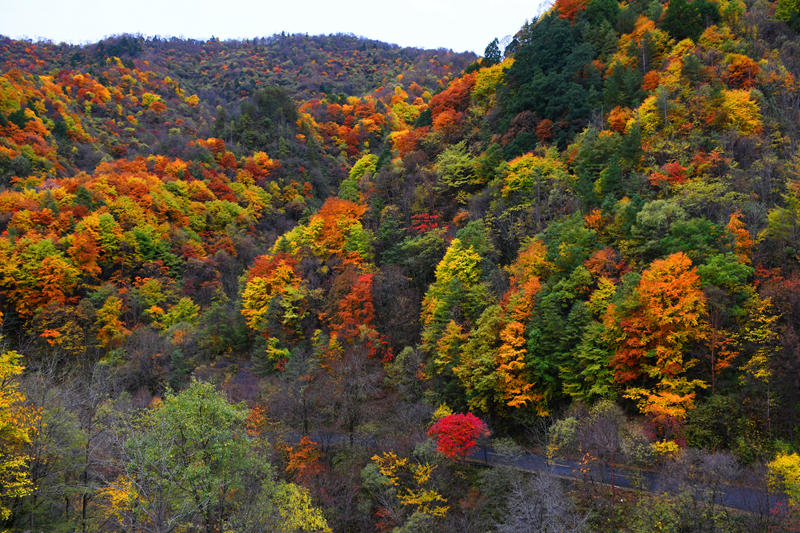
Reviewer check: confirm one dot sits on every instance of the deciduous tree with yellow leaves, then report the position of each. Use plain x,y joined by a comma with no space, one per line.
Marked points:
15,434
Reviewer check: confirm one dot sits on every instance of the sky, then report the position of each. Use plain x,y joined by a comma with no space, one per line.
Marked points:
460,25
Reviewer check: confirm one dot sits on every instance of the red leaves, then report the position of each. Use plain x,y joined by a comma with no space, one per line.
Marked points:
214,145
676,172
424,222
448,122
743,242
607,263
265,265
256,420
304,461
260,166
456,434
85,251
221,189
348,125
354,317
594,219
336,218
567,9
406,141
355,309
448,107
673,173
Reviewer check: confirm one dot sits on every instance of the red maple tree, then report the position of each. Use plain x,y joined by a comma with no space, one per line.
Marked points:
457,434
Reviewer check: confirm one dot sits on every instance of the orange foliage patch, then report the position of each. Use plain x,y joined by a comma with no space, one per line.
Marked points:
672,173
304,460
594,219
567,9
406,141
456,96
742,239
742,72
448,122
671,311
544,130
651,81
607,263
618,118
355,310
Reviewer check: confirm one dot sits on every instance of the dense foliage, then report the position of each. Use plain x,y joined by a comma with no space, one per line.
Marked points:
587,242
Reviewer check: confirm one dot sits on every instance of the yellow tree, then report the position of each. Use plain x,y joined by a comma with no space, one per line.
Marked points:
784,475
274,303
758,334
15,433
458,286
740,112
111,331
412,483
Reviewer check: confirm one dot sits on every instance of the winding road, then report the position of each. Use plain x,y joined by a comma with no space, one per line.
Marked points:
736,497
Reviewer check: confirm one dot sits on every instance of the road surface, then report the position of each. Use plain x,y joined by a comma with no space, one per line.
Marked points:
738,497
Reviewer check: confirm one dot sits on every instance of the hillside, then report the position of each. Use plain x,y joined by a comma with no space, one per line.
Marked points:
127,96
586,243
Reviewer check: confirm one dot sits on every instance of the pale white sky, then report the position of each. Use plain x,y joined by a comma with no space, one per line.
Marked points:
456,24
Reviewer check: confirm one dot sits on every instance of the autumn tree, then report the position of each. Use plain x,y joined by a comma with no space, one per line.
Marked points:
784,475
530,181
759,338
274,302
35,273
304,460
567,9
335,229
111,331
15,434
667,315
743,242
742,71
411,483
457,434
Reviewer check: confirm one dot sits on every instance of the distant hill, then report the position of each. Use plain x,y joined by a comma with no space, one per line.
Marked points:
221,71
127,96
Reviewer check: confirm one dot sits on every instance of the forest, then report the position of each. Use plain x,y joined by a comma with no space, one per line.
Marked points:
328,284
